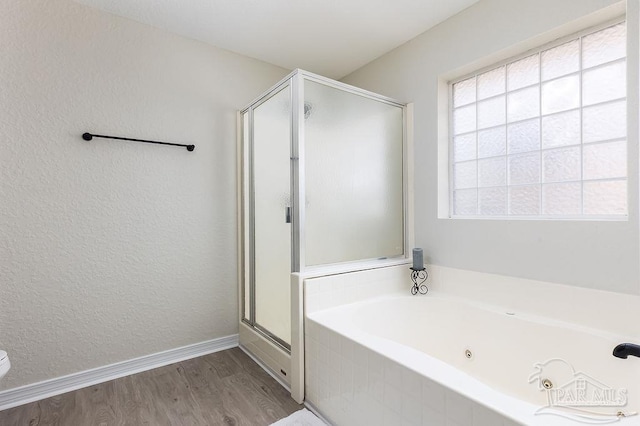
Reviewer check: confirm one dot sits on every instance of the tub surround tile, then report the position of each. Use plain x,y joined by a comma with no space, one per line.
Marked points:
334,349
392,396
312,348
335,290
433,396
370,417
431,417
411,382
376,386
376,362
391,416
482,416
334,368
411,407
310,328
346,348
323,393
361,354
357,386
323,337
392,373
323,357
346,379
311,303
360,379
458,408
410,422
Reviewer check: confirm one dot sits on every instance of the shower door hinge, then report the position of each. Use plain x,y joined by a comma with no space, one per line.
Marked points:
287,215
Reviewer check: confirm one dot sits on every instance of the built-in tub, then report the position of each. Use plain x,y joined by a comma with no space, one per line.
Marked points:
442,360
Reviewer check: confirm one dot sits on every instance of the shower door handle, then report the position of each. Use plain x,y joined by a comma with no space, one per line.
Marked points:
287,214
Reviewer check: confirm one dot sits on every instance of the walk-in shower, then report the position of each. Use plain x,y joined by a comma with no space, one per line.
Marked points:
323,184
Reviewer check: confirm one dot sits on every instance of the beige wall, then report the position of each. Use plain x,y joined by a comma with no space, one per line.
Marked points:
113,250
602,255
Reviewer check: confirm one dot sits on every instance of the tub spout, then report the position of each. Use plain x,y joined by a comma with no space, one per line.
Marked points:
623,350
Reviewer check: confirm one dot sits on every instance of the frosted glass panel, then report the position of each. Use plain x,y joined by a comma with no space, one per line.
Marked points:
561,60
524,136
561,95
354,177
464,147
605,160
524,200
562,199
524,168
491,83
561,164
465,175
492,142
492,201
464,92
604,46
272,238
604,83
609,197
465,202
523,104
524,72
491,112
492,172
604,122
464,119
561,129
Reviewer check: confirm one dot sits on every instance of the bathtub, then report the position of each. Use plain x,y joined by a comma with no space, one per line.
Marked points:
443,360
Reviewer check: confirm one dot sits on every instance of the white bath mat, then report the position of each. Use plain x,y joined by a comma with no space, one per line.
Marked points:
303,417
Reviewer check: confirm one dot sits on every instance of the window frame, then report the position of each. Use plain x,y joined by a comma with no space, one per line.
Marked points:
514,58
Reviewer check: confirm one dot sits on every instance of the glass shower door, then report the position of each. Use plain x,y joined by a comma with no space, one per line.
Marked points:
270,198
354,206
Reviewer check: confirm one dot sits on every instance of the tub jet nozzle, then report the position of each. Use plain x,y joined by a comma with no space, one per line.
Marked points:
623,350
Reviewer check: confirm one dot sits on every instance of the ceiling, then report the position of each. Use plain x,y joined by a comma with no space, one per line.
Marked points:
328,37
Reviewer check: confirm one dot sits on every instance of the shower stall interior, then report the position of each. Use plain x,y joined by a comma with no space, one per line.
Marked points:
322,190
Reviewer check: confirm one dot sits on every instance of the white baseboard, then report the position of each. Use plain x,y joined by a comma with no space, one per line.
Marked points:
315,411
41,390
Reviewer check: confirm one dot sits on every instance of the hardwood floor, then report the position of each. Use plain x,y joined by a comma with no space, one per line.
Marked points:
224,388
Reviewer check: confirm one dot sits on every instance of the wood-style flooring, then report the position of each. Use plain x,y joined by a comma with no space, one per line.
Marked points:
224,388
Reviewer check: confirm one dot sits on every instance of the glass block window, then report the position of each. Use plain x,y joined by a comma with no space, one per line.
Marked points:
544,135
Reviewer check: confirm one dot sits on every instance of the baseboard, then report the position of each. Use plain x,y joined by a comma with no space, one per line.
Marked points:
315,411
48,388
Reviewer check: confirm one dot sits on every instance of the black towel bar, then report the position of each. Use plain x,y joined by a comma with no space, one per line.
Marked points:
89,136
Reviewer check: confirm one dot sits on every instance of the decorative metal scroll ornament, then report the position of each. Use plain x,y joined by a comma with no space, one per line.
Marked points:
418,277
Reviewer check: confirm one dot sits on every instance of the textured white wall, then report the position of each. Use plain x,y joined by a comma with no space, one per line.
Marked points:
602,255
113,250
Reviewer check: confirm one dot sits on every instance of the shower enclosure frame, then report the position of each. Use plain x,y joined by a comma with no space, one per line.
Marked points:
271,351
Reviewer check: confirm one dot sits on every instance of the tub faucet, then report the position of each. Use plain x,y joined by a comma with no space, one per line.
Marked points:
623,350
